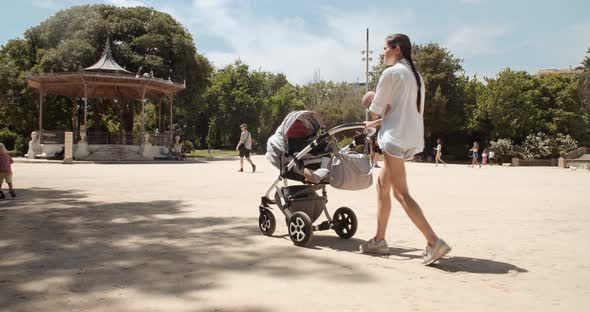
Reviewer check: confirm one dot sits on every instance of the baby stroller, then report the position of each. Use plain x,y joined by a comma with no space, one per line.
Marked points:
304,151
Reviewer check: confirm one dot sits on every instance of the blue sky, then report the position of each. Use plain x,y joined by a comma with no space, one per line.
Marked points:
301,37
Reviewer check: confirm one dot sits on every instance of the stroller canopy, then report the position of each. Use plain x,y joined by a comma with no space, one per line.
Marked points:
295,124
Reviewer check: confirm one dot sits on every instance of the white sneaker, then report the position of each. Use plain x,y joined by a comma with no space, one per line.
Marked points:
375,247
432,254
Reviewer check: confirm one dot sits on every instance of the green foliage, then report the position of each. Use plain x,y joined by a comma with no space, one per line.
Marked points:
259,99
509,105
8,138
187,146
337,103
536,146
142,40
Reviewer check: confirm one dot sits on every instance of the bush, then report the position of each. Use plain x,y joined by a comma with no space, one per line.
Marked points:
503,149
541,145
21,145
564,144
8,138
536,146
187,146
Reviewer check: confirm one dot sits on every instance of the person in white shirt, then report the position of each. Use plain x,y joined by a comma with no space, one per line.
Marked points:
244,147
401,137
439,153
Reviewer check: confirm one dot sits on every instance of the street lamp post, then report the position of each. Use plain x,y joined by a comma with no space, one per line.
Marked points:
367,59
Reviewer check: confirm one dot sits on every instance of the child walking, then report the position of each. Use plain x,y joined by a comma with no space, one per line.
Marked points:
6,171
484,157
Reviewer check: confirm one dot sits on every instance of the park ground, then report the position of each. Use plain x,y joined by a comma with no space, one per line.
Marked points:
184,237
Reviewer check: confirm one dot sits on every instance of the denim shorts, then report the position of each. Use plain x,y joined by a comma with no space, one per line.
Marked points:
398,152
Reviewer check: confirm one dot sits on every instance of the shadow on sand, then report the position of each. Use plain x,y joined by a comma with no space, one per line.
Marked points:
449,264
156,248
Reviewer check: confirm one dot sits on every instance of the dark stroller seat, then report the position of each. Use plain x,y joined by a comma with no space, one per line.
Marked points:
299,137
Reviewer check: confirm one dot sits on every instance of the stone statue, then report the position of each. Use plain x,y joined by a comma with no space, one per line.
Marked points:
177,145
82,146
82,134
34,146
146,147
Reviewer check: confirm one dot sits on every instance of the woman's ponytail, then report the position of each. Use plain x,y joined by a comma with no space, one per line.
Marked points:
403,42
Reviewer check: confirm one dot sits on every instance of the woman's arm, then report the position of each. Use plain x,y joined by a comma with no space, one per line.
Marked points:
374,123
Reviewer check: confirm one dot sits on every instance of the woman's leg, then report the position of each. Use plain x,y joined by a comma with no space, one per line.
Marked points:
397,176
383,200
439,158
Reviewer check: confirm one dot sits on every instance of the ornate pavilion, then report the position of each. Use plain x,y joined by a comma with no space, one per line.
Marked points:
108,80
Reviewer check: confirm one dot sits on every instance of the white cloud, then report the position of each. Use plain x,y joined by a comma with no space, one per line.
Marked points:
287,45
477,40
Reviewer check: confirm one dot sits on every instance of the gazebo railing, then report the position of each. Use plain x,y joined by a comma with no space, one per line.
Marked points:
104,137
53,136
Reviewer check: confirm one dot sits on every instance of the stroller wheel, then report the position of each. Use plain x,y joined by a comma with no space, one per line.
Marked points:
345,222
267,222
300,228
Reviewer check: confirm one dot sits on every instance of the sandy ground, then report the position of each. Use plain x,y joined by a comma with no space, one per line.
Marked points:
184,237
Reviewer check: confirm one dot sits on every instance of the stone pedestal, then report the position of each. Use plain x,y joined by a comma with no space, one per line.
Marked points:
68,148
561,162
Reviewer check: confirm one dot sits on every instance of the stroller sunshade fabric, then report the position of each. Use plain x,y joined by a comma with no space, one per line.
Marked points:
296,124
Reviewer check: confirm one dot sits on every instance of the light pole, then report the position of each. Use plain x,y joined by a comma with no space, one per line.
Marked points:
367,58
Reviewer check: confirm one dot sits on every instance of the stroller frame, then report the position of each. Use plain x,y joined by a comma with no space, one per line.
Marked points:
300,225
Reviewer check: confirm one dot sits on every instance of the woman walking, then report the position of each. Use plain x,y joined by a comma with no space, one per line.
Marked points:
439,153
475,155
401,137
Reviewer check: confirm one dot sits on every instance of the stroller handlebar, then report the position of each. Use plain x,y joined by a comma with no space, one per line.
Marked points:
353,125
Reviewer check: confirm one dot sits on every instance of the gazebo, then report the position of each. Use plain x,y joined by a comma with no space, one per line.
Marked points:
105,80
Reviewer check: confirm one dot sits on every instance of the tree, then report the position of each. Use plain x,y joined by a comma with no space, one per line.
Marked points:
259,99
509,105
584,82
444,113
561,108
143,40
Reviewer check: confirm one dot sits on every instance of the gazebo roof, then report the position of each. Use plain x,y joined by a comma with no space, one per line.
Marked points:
102,85
104,79
107,64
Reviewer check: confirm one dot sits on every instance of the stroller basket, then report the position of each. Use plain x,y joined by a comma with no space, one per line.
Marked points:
304,198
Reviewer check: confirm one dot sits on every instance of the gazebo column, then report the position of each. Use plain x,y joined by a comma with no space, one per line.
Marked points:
142,112
74,113
171,100
41,95
85,106
159,114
